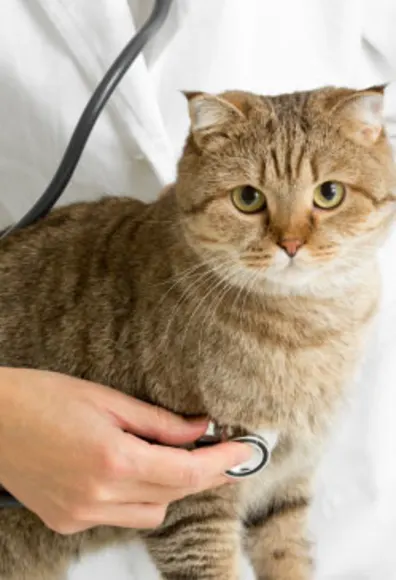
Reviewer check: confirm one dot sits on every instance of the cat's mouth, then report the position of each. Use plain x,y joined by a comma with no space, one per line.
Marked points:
292,264
292,271
282,262
289,272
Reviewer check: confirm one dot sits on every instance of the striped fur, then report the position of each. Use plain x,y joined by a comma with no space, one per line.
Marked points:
192,305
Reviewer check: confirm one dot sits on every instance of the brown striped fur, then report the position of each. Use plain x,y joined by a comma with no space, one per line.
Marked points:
192,305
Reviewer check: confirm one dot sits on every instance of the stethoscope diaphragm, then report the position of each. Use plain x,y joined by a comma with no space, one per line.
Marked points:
259,461
262,449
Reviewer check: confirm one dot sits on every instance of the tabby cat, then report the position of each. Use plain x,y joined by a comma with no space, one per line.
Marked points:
243,294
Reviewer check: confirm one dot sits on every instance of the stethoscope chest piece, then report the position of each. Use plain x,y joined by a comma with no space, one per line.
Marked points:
259,461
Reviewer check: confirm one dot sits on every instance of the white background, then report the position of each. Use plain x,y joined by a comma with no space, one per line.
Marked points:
53,53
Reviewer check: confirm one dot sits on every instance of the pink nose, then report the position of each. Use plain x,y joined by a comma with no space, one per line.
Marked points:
291,246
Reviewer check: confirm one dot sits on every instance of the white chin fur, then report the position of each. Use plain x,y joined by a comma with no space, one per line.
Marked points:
304,277
287,271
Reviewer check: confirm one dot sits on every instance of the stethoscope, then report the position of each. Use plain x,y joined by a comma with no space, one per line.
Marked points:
260,445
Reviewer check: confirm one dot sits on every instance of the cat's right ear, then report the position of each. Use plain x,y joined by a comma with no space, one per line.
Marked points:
361,115
211,116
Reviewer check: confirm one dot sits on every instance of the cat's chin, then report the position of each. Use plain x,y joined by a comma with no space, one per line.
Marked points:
290,278
314,279
284,275
297,276
294,272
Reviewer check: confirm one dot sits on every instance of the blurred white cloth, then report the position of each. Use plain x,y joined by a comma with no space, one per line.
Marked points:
52,55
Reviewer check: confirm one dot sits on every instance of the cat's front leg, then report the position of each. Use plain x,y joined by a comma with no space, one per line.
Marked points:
277,541
200,539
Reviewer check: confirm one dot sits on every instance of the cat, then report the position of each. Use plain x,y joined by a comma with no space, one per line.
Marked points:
245,293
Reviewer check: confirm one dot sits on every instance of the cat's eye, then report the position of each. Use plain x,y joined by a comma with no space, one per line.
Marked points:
329,195
247,199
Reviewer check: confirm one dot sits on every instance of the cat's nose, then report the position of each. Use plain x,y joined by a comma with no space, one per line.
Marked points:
291,246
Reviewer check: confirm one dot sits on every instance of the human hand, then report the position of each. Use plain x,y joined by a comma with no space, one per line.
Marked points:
71,452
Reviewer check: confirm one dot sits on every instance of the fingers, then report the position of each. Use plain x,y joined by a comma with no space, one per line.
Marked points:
187,469
158,476
132,492
135,516
153,422
222,457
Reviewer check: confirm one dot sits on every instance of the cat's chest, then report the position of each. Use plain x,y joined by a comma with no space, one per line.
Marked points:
256,382
287,475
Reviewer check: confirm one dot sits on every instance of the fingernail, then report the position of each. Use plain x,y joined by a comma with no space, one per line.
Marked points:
243,453
201,422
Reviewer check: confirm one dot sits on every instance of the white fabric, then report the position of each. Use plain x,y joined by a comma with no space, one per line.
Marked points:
53,53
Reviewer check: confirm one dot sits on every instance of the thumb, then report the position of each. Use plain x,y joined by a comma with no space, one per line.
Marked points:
154,423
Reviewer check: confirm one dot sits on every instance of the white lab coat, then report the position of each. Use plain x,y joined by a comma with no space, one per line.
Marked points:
53,53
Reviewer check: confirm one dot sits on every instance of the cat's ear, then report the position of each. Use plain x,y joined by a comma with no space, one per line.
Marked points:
211,115
361,115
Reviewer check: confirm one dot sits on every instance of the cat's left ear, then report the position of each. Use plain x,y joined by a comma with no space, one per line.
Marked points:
361,115
211,116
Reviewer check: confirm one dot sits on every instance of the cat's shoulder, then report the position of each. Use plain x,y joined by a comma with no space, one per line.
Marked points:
106,207
78,223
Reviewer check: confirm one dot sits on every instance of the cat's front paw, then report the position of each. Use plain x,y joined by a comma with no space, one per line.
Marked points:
283,568
289,575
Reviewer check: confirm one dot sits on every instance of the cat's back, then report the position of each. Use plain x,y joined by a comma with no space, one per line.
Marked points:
52,272
72,224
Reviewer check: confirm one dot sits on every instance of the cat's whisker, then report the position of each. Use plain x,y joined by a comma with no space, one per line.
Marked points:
198,279
223,287
196,284
248,291
239,294
192,273
211,312
213,288
240,291
235,301
184,273
193,276
221,272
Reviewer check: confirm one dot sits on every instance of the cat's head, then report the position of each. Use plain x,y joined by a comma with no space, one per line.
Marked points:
295,190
